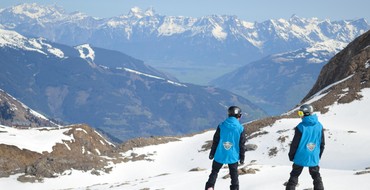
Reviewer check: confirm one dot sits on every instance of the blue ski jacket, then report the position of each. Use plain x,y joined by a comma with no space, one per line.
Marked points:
308,142
228,142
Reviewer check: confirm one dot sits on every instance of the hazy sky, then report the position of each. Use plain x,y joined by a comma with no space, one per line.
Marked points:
249,10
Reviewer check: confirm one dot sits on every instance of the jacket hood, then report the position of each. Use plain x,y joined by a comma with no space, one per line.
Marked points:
310,120
231,122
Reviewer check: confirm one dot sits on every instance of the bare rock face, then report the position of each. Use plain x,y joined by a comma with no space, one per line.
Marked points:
141,142
14,160
85,153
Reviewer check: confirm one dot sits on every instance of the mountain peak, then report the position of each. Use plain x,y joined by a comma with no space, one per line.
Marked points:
36,11
139,13
150,11
294,16
136,12
296,20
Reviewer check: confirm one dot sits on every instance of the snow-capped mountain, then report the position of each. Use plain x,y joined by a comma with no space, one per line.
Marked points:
277,82
15,40
340,100
108,89
173,43
340,97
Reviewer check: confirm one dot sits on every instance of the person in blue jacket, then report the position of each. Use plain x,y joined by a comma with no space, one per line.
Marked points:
306,148
228,148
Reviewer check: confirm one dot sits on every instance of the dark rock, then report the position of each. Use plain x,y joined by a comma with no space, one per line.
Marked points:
251,147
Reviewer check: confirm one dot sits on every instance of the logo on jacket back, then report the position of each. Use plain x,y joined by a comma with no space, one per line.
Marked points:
311,146
227,145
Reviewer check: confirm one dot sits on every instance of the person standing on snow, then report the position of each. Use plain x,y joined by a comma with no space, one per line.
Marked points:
306,148
228,148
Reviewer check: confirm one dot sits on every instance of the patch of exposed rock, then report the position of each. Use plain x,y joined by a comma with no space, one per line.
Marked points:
198,169
243,171
14,160
142,142
251,147
88,151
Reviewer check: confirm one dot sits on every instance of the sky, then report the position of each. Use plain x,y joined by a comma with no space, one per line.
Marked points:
248,10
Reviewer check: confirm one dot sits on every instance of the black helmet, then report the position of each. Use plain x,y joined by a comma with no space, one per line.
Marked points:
234,111
305,109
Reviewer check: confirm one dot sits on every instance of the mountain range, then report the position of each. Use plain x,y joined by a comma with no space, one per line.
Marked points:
248,58
277,82
108,90
340,97
194,50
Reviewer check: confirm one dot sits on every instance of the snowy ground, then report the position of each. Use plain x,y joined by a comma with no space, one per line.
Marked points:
347,152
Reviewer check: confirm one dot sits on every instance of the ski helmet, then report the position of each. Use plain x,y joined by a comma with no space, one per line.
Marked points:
234,111
305,110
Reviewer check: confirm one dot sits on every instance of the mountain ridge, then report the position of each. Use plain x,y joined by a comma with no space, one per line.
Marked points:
353,60
110,90
277,82
16,114
171,43
341,106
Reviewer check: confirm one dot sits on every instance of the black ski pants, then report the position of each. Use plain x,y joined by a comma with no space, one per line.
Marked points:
233,170
296,172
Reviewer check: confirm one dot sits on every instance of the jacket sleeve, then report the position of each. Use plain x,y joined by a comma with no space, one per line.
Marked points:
295,143
242,146
216,139
322,145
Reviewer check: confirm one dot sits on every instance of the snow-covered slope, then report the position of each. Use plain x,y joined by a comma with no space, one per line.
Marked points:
34,139
15,40
168,165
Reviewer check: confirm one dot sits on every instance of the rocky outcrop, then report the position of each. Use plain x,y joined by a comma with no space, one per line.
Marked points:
14,160
87,151
141,142
353,62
